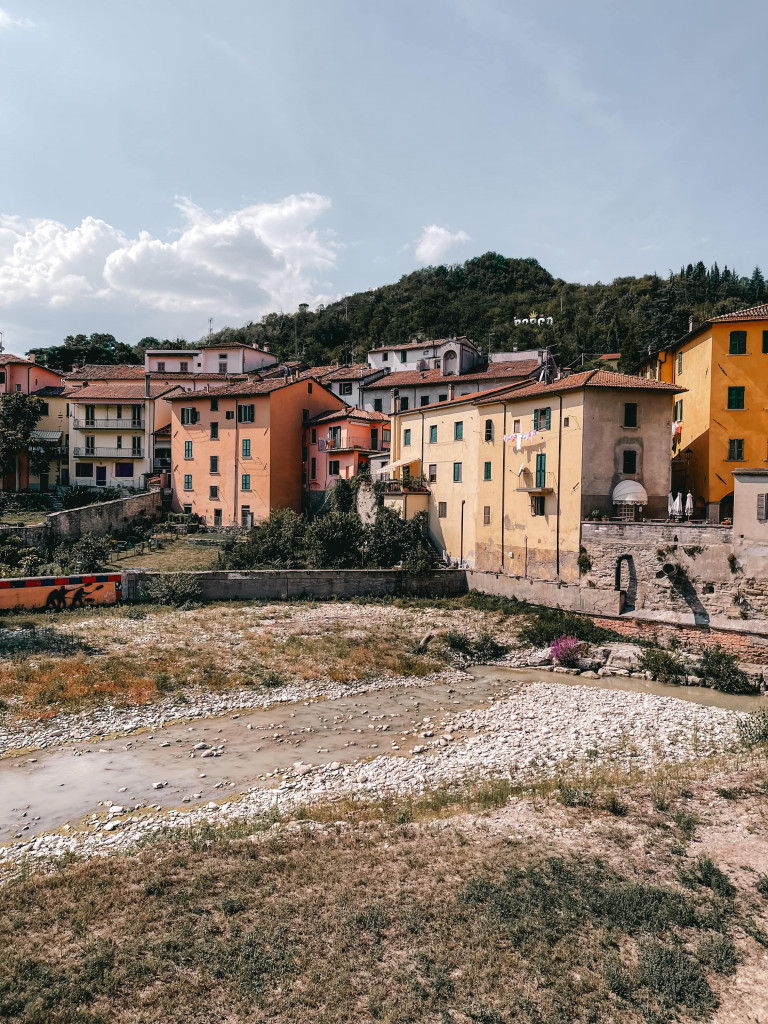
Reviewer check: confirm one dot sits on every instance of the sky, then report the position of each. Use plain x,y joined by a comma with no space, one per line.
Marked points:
170,163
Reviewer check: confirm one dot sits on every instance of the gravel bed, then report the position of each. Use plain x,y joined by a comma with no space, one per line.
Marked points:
532,732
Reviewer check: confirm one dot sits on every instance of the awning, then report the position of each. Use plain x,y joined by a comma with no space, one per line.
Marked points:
395,465
46,435
629,492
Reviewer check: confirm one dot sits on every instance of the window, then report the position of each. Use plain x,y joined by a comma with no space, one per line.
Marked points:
187,415
432,472
2,376
765,341
213,492
442,509
333,467
566,421
385,357
215,408
123,469
345,388
458,430
738,343
313,469
183,366
679,362
161,367
217,517
222,367
246,519
136,416
377,405
309,388
630,414
305,415
119,440
516,427
186,509
403,357
629,461
735,398
90,444
403,405
541,470
245,482
90,415
489,430
83,469
406,437
424,400
119,412
537,505
736,449
245,413
386,435
136,446
761,508
457,472
229,414
541,419
246,449
678,410
187,481
187,449
442,398
433,434
214,431
43,408
214,464
313,436
487,471
486,515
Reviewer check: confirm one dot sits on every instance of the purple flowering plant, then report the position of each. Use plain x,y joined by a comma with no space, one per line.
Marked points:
565,651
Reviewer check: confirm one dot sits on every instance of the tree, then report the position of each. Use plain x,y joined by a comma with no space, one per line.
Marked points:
19,415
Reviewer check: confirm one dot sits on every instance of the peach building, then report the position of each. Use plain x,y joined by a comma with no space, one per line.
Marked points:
24,375
237,452
340,444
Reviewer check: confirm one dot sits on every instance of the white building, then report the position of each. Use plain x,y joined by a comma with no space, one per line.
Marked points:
219,359
450,355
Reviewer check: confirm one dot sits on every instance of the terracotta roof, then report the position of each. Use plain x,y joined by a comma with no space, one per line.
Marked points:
423,344
498,371
7,357
105,371
609,356
119,392
163,431
473,396
173,375
354,371
259,387
318,371
754,313
519,369
591,379
351,413
280,369
49,391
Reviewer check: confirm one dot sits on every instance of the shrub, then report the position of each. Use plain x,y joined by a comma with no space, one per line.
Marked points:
484,648
662,665
88,554
276,543
181,589
565,651
546,624
753,728
719,953
676,977
720,671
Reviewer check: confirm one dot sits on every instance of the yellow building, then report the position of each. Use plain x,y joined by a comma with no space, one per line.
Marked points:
721,421
53,425
512,473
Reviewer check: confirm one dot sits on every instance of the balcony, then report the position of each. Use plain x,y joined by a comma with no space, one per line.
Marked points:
541,483
108,453
104,424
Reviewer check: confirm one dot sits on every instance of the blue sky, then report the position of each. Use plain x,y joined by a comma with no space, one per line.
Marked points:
167,161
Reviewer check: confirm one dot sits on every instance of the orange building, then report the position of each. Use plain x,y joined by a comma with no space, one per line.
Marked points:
237,452
340,443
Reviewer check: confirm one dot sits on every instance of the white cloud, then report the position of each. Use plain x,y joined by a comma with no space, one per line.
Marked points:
8,21
434,243
231,266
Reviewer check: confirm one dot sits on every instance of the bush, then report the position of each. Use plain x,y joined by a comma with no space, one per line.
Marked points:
720,671
753,728
662,665
719,953
565,651
276,543
546,624
676,977
484,648
88,554
181,589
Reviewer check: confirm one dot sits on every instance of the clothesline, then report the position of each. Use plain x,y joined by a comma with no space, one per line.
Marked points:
520,437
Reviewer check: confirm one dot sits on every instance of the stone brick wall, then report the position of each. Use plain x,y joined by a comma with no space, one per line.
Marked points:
33,536
282,585
746,646
569,597
708,582
106,517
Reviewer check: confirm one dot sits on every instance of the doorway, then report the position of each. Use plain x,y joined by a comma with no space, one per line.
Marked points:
101,476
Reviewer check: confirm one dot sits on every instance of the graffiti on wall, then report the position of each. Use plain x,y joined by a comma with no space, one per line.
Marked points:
57,593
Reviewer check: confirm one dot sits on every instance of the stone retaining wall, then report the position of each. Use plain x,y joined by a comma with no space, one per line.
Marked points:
747,647
106,517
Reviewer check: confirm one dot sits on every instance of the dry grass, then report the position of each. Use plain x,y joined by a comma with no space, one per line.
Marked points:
175,556
369,921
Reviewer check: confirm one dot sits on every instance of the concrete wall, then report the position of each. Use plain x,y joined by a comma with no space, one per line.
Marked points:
105,518
569,597
281,585
33,536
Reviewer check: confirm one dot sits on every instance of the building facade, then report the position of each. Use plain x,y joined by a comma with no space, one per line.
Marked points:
219,359
340,444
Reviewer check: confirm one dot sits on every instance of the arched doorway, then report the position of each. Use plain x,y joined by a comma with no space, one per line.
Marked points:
626,580
726,507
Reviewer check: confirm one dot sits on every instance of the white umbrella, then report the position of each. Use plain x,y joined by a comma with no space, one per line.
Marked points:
670,503
689,504
677,506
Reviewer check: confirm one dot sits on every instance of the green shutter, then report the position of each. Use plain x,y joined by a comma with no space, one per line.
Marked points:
548,418
541,470
535,419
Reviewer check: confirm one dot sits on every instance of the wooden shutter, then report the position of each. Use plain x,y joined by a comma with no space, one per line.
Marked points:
761,507
548,418
535,419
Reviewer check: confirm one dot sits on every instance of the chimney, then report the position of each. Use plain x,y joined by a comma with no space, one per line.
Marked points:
31,357
693,322
451,391
566,371
146,385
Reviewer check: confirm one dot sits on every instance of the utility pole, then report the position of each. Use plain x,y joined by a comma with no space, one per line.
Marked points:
2,338
210,326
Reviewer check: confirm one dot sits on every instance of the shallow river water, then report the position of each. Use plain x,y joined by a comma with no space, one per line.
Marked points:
46,790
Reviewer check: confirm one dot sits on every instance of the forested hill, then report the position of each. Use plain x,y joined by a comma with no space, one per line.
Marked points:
481,299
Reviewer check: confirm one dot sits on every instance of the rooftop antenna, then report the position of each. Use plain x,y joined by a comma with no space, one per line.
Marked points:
210,326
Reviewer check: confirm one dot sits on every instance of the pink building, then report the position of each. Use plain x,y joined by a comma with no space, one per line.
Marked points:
24,375
340,443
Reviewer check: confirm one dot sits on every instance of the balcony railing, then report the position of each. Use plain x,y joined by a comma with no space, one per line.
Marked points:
536,483
346,445
105,424
108,453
